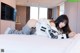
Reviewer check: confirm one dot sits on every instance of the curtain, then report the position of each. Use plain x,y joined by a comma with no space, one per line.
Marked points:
49,13
27,13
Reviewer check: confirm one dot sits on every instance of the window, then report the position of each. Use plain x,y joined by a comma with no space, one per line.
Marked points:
42,13
38,13
62,9
34,13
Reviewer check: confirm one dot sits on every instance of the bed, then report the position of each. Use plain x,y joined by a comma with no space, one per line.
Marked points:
38,44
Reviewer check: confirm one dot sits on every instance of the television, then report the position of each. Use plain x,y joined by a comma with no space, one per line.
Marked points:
7,12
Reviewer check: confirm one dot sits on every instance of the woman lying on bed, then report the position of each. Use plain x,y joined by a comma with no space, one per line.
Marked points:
58,29
62,24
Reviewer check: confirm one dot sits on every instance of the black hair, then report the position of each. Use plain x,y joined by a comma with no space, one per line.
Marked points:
63,18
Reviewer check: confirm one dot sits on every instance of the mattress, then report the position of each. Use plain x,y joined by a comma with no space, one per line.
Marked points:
36,44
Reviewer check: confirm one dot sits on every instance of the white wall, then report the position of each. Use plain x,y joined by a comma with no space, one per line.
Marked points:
73,12
0,17
5,24
78,19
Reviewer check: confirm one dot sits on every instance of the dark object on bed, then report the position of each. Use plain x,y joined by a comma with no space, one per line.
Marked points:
43,29
52,34
2,50
33,30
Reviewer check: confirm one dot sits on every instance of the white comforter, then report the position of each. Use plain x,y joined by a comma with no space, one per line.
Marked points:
35,44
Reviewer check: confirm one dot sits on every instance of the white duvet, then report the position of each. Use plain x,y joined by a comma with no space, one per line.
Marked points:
35,44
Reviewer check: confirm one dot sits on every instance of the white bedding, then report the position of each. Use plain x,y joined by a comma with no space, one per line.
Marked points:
35,44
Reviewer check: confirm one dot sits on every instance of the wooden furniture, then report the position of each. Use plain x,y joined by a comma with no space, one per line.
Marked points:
18,26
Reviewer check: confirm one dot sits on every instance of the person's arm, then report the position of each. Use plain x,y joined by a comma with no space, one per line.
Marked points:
71,34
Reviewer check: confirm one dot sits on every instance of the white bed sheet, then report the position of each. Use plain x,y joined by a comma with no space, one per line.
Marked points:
35,44
74,47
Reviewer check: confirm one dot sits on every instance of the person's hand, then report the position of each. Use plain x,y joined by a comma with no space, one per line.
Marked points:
52,24
72,34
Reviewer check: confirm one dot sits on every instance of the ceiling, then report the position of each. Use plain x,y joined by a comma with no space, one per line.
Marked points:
41,3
